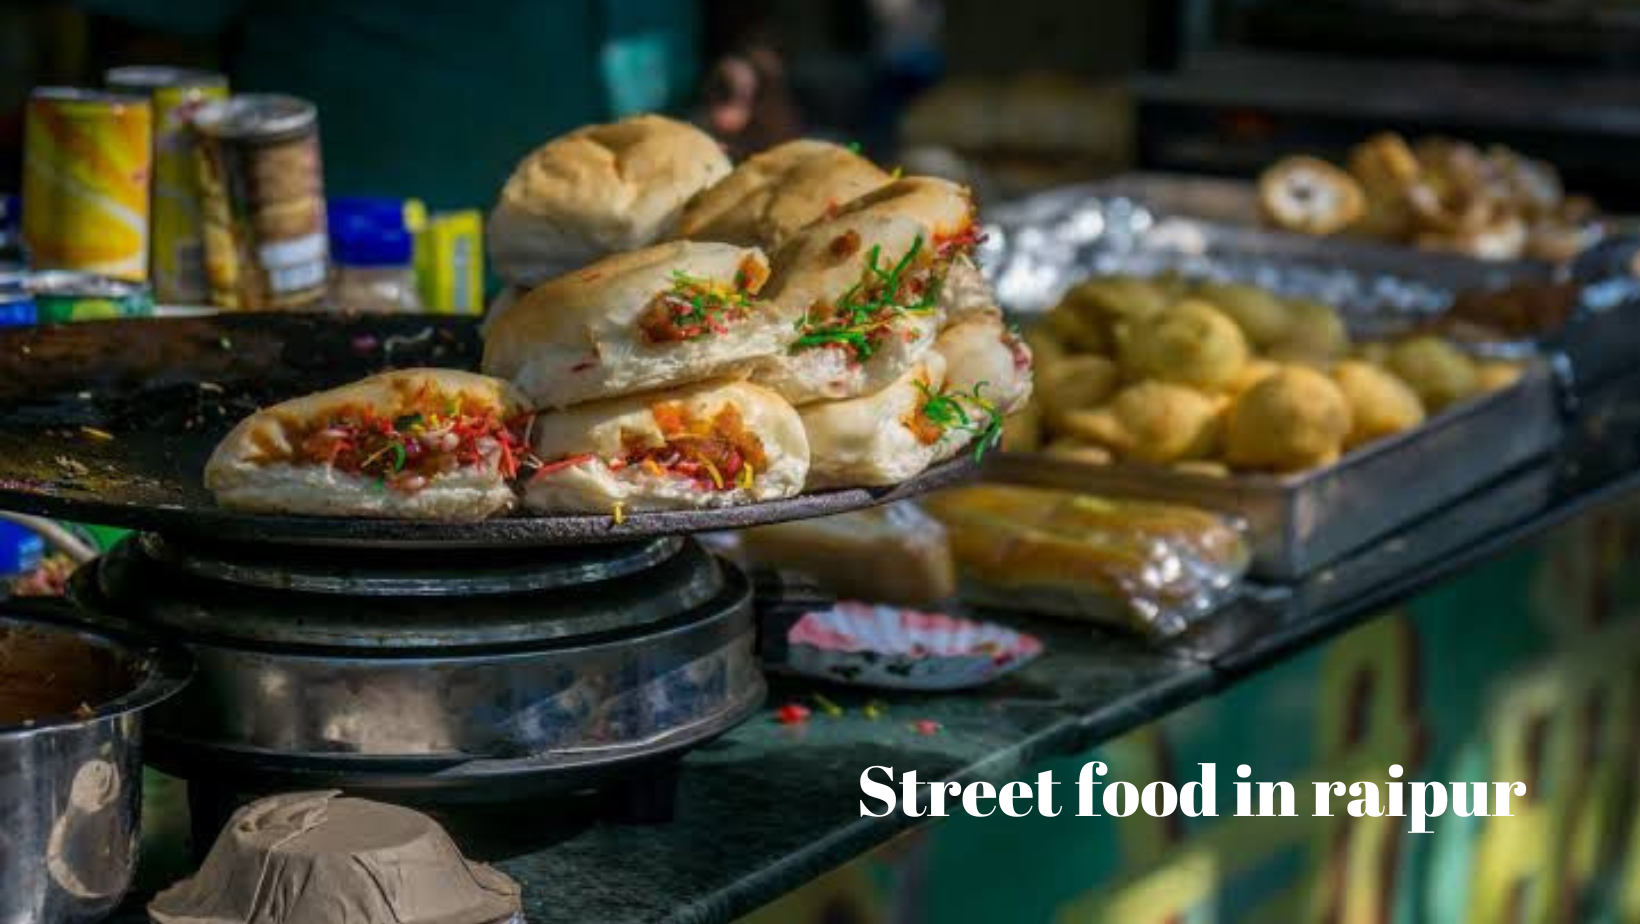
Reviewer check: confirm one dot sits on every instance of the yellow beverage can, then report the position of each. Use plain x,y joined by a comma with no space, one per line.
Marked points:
86,171
176,250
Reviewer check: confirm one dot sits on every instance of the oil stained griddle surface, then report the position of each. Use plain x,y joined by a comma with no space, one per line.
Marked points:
111,422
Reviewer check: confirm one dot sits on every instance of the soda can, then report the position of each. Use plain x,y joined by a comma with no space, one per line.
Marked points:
61,296
176,260
262,188
86,162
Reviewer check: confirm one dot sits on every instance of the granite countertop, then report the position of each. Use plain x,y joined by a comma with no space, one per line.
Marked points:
769,807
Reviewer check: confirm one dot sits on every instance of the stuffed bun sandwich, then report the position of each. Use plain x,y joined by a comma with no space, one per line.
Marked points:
658,317
417,443
713,444
866,286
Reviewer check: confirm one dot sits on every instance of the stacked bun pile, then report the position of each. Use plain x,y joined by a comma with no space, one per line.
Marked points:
683,333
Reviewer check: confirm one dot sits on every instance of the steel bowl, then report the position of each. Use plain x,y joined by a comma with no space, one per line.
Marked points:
72,699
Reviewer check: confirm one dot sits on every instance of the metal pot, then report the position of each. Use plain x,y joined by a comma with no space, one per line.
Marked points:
71,704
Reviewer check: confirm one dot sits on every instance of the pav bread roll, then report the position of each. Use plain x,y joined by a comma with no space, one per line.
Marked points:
867,286
771,195
416,443
882,438
598,190
713,444
983,357
653,318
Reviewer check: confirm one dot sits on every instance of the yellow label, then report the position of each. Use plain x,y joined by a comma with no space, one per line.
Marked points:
178,239
450,263
85,185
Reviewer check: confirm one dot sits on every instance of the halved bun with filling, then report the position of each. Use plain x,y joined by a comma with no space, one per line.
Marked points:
653,318
868,285
598,190
966,293
771,195
882,438
416,443
714,444
984,357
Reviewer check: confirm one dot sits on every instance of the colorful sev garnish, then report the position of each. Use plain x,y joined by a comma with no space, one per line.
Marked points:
874,709
865,314
693,308
944,412
405,452
792,714
827,705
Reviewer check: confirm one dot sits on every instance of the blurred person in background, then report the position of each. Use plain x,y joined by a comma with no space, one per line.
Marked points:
439,99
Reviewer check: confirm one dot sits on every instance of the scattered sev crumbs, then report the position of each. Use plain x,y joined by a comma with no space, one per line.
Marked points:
926,727
826,705
792,714
874,709
102,436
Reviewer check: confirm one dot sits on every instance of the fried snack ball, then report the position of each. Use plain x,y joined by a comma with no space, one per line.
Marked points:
1157,422
1046,347
1438,371
1105,308
1022,430
1075,383
1294,419
1495,374
1075,333
1380,404
1262,317
1316,334
1256,371
1309,196
1190,343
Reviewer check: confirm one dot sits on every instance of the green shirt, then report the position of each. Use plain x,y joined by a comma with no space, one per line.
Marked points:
439,99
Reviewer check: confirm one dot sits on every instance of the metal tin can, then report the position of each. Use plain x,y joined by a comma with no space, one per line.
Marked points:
61,296
262,189
177,251
86,161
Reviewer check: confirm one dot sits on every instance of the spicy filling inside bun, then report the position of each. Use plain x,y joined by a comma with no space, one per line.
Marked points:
658,317
431,443
868,288
714,444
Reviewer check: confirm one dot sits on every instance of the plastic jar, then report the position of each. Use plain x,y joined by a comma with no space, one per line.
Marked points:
375,261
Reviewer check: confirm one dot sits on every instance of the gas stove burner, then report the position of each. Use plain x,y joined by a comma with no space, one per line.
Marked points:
454,677
368,572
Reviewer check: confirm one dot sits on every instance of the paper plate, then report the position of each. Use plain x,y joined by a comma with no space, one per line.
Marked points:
872,645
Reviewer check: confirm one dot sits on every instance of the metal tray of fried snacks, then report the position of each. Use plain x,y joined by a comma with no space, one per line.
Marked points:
1037,247
1301,522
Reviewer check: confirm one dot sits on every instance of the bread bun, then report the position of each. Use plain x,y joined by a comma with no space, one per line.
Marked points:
770,196
714,444
981,354
596,191
878,439
826,269
614,328
303,456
